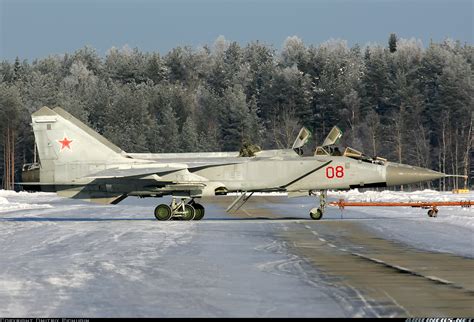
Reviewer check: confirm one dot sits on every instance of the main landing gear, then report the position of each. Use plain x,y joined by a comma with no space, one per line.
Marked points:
180,210
317,213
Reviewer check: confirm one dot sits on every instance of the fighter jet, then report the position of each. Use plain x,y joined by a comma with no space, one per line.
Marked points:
77,162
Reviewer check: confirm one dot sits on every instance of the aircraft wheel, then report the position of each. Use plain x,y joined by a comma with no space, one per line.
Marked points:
163,212
199,211
432,213
316,214
189,212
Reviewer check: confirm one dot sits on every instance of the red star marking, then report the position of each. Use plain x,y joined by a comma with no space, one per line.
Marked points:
65,143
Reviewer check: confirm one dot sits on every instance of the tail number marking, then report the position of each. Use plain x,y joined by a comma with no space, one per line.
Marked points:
337,172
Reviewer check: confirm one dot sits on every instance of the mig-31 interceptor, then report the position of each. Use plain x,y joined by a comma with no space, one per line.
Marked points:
77,162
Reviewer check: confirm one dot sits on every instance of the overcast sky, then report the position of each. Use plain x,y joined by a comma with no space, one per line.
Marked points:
35,29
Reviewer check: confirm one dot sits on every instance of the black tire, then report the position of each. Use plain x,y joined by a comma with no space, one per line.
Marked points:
189,212
431,212
163,212
316,215
199,211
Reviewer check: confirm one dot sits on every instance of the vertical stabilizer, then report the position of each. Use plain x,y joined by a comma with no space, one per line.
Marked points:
65,143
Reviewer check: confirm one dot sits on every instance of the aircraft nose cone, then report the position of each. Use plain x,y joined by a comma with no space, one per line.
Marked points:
398,174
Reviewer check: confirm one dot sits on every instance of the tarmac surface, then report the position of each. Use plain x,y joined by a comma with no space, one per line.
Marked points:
370,275
267,260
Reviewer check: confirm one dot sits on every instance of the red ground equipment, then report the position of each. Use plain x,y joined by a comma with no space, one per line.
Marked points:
431,205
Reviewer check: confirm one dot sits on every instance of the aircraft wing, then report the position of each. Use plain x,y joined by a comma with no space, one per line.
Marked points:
162,170
133,172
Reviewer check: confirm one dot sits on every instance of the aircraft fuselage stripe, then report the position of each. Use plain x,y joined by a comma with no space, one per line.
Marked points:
306,174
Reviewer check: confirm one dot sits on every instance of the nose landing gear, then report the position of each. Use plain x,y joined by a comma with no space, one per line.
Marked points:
179,210
317,213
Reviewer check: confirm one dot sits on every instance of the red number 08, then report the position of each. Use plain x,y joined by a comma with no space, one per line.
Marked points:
338,172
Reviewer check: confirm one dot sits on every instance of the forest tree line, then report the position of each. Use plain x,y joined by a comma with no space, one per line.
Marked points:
400,100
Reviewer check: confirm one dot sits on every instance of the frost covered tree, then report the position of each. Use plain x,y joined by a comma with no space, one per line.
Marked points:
168,132
294,52
10,106
127,115
189,136
406,102
392,43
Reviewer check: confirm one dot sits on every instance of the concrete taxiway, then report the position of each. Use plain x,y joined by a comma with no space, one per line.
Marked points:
371,275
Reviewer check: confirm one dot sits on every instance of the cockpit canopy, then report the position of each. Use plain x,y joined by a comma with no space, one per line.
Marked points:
329,148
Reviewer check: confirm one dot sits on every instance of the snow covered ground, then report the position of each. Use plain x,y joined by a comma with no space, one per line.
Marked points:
63,257
460,216
451,231
23,200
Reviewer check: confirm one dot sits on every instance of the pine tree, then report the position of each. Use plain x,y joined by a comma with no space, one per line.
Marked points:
10,106
233,116
392,43
254,127
156,69
375,79
168,130
126,118
17,70
189,136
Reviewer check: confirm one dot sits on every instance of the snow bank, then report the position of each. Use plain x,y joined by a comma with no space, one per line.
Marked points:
10,206
395,196
11,193
7,205
452,215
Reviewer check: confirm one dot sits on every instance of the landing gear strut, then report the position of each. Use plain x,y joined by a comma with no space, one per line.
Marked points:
317,213
180,210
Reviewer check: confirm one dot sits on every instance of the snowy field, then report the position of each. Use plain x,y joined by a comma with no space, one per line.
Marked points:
63,257
452,231
460,216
